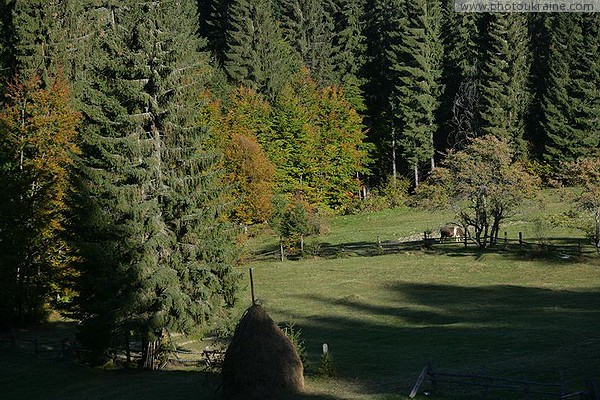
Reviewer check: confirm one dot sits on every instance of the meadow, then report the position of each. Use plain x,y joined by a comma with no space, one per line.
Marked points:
513,313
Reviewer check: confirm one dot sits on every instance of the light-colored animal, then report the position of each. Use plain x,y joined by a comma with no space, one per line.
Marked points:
451,231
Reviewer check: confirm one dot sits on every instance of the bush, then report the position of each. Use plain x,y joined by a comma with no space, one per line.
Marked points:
434,193
545,172
296,220
295,336
390,195
326,365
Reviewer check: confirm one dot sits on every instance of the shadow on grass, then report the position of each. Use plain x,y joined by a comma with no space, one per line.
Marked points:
27,377
511,331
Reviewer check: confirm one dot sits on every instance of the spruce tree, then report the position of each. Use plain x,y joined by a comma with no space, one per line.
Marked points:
256,55
571,102
213,25
37,29
504,78
460,100
540,47
158,256
350,45
309,27
6,37
417,61
383,20
586,79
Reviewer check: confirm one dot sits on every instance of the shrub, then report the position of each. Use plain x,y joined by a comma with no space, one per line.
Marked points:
326,365
389,195
295,336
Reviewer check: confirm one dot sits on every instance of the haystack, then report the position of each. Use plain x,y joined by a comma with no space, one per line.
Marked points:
260,362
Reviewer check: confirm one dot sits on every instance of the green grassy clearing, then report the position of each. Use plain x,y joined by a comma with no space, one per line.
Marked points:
410,223
385,317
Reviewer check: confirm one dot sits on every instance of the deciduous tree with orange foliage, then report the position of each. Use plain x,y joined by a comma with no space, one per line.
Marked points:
37,145
485,185
249,170
317,143
585,173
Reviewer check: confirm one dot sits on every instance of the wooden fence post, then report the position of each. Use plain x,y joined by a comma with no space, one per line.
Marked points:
420,379
486,387
466,235
35,344
252,286
425,236
431,374
592,389
128,347
561,381
505,239
521,240
281,249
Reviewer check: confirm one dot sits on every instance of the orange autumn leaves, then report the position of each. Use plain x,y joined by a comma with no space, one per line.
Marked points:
307,145
38,129
248,169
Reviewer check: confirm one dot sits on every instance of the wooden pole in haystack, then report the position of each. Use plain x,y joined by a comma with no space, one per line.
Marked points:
252,287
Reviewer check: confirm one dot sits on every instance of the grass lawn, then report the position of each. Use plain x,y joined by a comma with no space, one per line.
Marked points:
385,317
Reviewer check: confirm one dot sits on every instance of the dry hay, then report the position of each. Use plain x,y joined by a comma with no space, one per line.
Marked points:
261,361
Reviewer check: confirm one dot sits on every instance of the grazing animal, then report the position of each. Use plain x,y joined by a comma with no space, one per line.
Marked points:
451,231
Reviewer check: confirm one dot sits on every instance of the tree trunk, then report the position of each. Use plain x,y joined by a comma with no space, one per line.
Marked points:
416,174
495,230
432,159
597,238
394,170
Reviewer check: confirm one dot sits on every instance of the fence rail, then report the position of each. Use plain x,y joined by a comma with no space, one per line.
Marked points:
569,246
549,390
211,360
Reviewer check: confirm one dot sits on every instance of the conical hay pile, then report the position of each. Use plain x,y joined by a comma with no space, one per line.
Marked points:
261,361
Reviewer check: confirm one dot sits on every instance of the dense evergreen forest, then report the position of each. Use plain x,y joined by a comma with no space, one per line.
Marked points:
136,137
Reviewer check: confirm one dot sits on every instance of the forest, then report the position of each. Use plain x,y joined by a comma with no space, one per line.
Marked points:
139,139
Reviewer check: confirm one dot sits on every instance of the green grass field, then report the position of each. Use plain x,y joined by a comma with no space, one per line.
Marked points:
385,317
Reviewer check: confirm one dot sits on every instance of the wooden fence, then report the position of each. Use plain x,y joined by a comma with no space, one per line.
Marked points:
58,348
488,384
210,360
566,246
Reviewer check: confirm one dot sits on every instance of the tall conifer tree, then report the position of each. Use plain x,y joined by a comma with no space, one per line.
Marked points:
213,25
383,21
571,104
461,69
504,78
6,34
350,44
37,29
309,27
417,60
256,55
158,256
